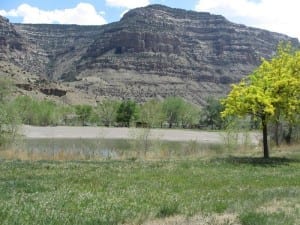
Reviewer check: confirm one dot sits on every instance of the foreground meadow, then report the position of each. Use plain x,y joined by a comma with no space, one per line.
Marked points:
219,190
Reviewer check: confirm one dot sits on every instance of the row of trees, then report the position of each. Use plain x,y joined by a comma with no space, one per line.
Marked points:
271,95
171,112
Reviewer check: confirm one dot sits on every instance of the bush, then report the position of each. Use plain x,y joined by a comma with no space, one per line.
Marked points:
9,117
39,113
127,113
84,113
152,114
107,111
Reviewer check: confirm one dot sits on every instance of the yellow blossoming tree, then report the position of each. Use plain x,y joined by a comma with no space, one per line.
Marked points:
270,92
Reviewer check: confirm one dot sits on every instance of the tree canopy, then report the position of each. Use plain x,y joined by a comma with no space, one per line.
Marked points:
211,113
127,112
270,92
107,111
152,114
84,112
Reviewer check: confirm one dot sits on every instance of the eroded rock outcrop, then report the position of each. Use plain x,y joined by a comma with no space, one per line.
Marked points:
153,51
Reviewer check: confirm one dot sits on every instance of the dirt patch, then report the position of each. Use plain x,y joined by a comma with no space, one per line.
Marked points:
124,133
288,207
215,219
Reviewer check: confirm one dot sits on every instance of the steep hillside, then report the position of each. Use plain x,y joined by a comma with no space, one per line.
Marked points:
153,51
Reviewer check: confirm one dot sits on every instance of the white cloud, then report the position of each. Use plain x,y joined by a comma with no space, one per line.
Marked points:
83,14
124,12
129,4
274,15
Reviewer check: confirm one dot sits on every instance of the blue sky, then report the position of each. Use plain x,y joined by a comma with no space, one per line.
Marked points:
274,15
110,10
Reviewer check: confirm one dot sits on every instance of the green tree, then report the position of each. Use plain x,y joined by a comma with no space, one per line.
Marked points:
127,112
173,108
272,89
24,104
47,113
152,113
190,115
84,113
66,114
211,113
37,112
107,110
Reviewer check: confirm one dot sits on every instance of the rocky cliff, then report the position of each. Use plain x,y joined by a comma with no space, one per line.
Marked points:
153,51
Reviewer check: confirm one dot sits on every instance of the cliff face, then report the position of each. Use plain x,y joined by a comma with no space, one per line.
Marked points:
55,49
154,51
11,42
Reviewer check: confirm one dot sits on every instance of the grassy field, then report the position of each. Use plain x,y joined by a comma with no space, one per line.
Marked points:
218,190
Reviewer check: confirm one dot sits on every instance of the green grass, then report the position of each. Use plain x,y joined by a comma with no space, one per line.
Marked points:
130,192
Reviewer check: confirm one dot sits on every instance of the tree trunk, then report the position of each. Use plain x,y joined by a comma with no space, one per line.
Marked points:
288,136
276,133
265,137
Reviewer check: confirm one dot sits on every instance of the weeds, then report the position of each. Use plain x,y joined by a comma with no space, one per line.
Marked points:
168,209
134,191
139,147
106,189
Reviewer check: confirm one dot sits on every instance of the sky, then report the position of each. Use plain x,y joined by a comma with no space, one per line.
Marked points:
275,15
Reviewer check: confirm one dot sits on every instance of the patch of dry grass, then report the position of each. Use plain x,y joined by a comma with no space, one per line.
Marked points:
214,219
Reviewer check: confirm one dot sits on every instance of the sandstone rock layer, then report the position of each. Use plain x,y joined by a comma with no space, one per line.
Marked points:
152,52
